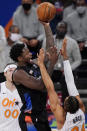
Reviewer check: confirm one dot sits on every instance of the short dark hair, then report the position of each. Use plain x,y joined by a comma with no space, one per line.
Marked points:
16,51
71,105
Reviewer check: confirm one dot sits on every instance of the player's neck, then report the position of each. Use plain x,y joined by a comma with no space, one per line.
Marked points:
10,85
21,64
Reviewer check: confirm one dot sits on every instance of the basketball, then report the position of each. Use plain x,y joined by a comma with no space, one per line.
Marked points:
46,11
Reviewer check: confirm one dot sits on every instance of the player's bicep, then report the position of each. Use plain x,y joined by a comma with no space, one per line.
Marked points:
21,77
56,107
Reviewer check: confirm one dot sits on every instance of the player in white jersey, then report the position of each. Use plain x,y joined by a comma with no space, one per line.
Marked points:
71,117
10,102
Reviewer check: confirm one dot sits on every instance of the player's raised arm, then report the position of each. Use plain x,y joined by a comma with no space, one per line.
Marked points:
53,98
46,12
49,36
50,48
69,77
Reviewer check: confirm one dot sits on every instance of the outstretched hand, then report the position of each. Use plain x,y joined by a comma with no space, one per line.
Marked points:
41,57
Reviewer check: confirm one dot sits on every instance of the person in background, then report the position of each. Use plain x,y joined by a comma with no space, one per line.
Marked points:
76,23
3,43
72,116
73,53
13,37
70,9
25,17
10,102
58,17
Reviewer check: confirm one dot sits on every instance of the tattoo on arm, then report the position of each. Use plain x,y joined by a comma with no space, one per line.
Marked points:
49,37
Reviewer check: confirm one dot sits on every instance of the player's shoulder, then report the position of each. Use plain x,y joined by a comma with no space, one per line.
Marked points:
73,119
79,113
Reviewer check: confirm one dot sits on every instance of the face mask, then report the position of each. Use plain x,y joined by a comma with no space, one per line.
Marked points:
60,34
26,6
14,36
81,10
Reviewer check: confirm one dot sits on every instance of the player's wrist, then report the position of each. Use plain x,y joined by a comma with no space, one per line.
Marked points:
46,25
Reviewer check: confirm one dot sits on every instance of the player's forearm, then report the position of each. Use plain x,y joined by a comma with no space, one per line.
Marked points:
50,69
46,78
33,84
49,36
69,79
68,72
53,98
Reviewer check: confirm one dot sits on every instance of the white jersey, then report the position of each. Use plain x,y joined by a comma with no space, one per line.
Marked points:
10,104
74,122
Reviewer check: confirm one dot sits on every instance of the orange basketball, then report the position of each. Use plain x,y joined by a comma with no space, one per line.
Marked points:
46,11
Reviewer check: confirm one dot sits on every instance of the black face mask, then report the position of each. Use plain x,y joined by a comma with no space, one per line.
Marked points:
60,34
26,6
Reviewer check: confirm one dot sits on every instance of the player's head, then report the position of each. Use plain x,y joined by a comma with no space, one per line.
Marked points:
9,69
71,104
20,53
